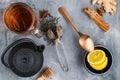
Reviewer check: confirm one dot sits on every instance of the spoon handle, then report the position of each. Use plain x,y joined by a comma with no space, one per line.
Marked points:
65,14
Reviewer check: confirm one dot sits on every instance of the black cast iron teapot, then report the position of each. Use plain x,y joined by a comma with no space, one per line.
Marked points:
23,57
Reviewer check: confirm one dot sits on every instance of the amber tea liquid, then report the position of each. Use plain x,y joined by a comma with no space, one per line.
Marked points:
19,17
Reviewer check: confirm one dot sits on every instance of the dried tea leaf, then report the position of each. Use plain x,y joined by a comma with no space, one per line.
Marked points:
57,41
50,34
59,31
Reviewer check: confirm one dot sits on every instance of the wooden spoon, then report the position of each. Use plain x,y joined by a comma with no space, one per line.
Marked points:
85,41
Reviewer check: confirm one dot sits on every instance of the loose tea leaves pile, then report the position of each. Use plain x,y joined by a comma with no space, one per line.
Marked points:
49,27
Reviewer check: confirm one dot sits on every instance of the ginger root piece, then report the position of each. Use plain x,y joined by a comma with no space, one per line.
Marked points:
108,5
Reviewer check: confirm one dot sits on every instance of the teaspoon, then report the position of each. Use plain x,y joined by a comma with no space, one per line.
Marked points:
85,41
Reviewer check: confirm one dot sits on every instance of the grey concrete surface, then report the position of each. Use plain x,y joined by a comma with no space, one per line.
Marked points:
75,53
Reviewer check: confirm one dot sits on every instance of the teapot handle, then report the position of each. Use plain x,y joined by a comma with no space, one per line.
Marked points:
3,55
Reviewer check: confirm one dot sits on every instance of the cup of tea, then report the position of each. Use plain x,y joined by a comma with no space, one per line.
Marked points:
20,18
99,61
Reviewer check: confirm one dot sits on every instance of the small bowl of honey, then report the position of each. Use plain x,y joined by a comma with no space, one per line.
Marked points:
98,61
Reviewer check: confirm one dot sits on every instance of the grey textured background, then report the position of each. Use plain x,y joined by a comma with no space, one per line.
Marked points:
75,53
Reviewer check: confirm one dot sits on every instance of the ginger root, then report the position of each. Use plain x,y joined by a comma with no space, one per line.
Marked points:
108,5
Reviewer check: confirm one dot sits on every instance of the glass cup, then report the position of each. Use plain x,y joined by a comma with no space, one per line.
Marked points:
20,18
